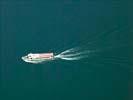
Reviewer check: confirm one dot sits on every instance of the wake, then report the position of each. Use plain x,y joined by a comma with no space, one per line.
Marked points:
97,46
73,54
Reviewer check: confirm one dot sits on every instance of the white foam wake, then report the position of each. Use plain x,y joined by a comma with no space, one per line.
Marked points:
73,54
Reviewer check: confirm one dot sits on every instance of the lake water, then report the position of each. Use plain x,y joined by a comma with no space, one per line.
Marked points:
54,26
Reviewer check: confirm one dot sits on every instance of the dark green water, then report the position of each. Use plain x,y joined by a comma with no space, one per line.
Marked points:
54,26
